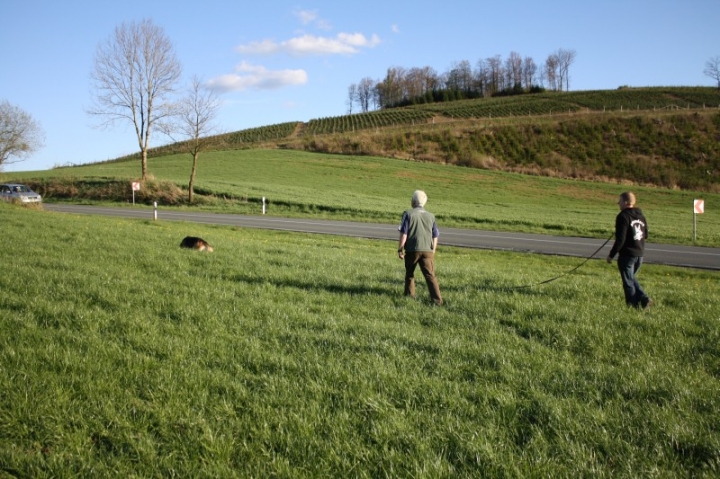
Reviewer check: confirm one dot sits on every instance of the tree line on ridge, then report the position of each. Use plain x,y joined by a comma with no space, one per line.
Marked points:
491,77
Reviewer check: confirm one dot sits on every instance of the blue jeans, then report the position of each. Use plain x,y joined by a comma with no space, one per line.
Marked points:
629,267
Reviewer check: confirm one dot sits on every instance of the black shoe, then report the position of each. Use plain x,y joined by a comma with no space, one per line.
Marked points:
646,303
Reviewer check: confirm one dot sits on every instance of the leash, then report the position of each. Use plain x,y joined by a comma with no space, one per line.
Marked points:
570,271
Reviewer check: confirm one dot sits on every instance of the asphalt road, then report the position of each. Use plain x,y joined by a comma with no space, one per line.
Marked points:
687,256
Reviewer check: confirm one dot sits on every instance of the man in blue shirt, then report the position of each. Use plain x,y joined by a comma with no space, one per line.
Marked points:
419,237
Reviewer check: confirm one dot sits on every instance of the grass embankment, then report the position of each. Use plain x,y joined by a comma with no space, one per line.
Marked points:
651,148
294,355
378,189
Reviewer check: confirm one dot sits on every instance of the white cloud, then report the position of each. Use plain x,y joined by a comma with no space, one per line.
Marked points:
307,17
312,45
395,28
342,44
248,76
257,77
265,47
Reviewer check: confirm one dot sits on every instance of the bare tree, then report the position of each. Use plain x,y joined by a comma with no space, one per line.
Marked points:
565,59
377,95
365,93
495,74
415,83
20,134
551,72
481,77
513,70
529,70
196,115
464,76
712,69
352,96
135,72
430,79
541,76
391,91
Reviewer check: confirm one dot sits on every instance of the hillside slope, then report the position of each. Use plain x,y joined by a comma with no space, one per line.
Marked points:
667,137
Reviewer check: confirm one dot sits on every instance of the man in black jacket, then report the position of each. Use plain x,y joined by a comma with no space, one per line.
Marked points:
631,231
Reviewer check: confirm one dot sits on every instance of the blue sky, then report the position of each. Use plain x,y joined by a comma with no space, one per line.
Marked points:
278,61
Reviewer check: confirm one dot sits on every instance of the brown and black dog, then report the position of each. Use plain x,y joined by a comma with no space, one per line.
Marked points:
194,242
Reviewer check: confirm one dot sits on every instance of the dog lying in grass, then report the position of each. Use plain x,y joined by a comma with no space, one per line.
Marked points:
194,242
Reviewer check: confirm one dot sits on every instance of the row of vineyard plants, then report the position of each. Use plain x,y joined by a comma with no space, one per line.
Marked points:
365,121
237,139
503,107
279,131
676,150
546,103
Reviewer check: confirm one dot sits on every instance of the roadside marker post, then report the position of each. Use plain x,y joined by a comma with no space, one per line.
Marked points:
263,205
698,209
155,210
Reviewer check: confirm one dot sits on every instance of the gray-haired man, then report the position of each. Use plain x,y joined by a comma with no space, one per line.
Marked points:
419,237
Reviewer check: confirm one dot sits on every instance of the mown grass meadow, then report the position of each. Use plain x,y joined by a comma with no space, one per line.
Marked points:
290,355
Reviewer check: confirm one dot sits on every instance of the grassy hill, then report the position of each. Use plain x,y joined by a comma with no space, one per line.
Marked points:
649,136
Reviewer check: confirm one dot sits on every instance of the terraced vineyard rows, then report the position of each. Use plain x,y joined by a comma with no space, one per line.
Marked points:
556,103
502,107
646,99
548,103
364,121
545,104
263,133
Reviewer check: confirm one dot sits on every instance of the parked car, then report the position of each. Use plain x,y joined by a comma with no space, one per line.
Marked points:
14,191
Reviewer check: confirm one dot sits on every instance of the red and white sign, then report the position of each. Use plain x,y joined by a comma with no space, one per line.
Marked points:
136,186
699,207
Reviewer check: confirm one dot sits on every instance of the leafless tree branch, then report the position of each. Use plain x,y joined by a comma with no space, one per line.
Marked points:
134,75
712,69
20,134
195,123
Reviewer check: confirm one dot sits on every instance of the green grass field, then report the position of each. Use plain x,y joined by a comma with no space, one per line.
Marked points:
290,355
379,189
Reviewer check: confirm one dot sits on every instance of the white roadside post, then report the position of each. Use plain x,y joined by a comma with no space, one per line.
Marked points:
263,205
155,210
698,209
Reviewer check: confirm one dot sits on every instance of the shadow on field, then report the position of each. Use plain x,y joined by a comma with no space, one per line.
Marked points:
493,286
334,288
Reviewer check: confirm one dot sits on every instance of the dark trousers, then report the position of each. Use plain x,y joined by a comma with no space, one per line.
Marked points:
426,260
629,267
